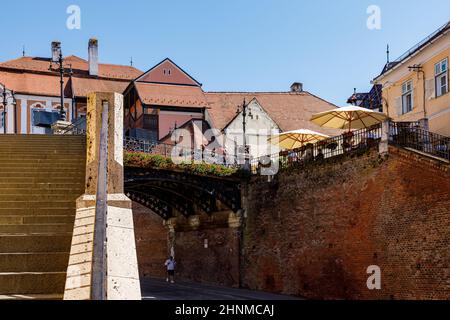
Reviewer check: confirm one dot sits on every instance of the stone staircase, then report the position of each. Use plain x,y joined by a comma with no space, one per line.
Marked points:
40,179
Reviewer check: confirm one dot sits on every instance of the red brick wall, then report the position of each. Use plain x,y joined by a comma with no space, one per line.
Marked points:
151,242
218,264
314,233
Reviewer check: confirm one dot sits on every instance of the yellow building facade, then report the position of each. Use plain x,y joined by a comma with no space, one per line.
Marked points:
416,86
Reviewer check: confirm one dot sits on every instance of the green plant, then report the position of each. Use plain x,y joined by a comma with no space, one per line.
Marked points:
150,161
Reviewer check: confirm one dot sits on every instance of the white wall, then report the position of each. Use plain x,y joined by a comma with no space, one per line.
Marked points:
46,102
259,127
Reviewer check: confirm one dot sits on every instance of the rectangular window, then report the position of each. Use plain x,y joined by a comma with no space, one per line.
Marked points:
407,97
441,77
44,118
150,122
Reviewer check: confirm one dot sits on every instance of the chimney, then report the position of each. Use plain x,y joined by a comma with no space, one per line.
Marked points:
93,57
297,87
56,50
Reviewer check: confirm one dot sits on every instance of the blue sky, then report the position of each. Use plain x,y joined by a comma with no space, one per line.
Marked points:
253,45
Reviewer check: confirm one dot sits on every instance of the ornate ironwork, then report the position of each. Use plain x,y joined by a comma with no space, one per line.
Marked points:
186,193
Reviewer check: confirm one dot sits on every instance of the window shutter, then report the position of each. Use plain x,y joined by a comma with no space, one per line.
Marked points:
429,89
398,106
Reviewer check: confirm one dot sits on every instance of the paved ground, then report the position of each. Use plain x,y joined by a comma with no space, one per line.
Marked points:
153,289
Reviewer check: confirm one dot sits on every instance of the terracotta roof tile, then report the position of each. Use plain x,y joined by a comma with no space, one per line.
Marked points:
33,84
28,75
79,67
82,86
291,111
171,95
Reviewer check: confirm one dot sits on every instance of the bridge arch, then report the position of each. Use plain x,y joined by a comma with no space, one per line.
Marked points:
167,192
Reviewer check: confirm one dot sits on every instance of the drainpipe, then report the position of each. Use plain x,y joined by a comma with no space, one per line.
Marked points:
418,68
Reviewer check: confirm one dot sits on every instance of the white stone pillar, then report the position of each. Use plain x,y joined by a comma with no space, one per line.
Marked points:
10,119
122,276
383,147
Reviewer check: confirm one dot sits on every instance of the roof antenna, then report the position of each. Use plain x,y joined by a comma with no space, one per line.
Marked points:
23,51
131,61
388,54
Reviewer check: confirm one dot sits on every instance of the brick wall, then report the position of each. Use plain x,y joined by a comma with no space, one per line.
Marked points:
151,242
314,233
218,264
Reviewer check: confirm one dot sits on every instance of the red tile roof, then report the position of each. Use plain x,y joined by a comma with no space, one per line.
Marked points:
33,84
171,95
290,110
83,86
79,67
28,75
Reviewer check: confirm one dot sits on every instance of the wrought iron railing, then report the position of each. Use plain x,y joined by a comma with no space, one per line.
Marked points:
346,143
403,134
76,128
415,137
139,145
181,153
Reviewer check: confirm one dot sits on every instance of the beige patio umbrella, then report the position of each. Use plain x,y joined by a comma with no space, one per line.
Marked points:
351,117
296,139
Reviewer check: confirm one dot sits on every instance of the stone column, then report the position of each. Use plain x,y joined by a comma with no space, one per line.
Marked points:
383,147
122,268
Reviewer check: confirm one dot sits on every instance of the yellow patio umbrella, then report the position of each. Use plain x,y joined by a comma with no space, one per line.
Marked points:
351,117
296,139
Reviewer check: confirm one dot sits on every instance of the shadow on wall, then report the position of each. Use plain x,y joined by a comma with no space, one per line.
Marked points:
151,242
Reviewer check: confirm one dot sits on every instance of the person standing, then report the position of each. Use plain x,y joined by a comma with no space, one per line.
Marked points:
170,265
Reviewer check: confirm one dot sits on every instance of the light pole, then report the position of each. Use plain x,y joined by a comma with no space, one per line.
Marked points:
6,96
60,62
244,131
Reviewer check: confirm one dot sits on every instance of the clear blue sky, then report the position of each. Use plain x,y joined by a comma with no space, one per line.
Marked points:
232,45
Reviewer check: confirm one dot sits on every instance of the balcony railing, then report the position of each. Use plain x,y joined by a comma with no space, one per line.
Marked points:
349,142
412,136
403,134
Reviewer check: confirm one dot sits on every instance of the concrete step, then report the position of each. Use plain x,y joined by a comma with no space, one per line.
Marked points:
69,174
43,168
42,150
44,219
42,192
37,204
37,262
48,139
39,197
44,155
31,229
49,179
31,297
58,242
41,142
41,186
46,162
11,155
32,282
68,210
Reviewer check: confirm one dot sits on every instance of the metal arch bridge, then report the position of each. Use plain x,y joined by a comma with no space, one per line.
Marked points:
166,192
